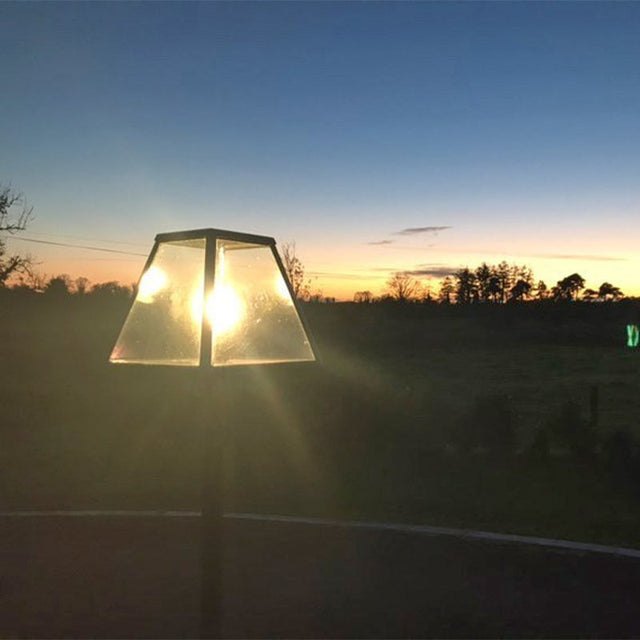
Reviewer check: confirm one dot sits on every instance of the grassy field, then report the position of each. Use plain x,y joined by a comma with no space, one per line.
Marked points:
385,428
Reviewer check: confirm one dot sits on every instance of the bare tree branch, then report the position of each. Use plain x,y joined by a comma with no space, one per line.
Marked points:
403,287
295,271
15,214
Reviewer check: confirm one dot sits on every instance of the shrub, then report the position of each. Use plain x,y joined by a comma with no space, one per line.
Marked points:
570,431
620,453
489,425
540,446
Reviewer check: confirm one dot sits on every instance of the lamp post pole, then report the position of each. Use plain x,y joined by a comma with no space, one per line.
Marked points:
212,541
212,521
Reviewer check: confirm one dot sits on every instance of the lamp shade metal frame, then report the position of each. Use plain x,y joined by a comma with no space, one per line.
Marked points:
211,237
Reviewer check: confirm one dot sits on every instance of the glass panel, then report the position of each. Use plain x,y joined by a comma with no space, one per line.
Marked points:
252,313
164,324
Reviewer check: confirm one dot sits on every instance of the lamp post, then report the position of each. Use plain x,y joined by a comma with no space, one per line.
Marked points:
210,299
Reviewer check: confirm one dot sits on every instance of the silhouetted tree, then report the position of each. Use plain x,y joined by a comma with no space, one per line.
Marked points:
295,271
316,296
14,217
483,275
608,292
504,274
520,290
494,289
589,295
466,286
14,212
33,280
81,285
363,297
447,291
403,287
541,290
59,285
426,294
569,288
111,290
525,274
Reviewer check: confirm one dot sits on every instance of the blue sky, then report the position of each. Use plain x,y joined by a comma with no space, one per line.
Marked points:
334,124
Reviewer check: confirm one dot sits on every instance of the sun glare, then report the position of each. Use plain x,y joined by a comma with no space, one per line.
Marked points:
151,283
224,309
281,288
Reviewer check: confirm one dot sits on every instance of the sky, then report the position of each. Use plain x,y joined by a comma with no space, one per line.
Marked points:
377,136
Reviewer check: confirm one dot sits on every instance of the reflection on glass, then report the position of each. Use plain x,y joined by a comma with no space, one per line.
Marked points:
257,320
160,327
151,283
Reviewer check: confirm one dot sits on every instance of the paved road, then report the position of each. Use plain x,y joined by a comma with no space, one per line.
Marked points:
133,578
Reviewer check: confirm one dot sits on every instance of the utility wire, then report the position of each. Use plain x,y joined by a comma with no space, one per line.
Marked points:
78,246
84,238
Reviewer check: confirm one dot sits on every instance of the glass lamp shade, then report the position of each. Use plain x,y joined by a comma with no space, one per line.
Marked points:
213,298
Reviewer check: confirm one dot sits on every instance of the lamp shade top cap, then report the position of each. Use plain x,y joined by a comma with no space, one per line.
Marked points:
214,234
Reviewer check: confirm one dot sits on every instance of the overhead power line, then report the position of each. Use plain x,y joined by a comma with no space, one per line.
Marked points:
78,246
66,236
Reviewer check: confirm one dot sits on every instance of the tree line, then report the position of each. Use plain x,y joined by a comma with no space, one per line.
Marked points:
493,284
497,284
63,286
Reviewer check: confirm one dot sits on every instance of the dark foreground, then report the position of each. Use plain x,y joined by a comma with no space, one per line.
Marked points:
139,577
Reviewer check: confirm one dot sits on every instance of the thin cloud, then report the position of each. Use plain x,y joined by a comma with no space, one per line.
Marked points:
380,242
409,247
414,231
578,256
421,271
340,276
431,272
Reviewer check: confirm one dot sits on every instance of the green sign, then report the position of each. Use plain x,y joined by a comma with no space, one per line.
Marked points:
633,335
